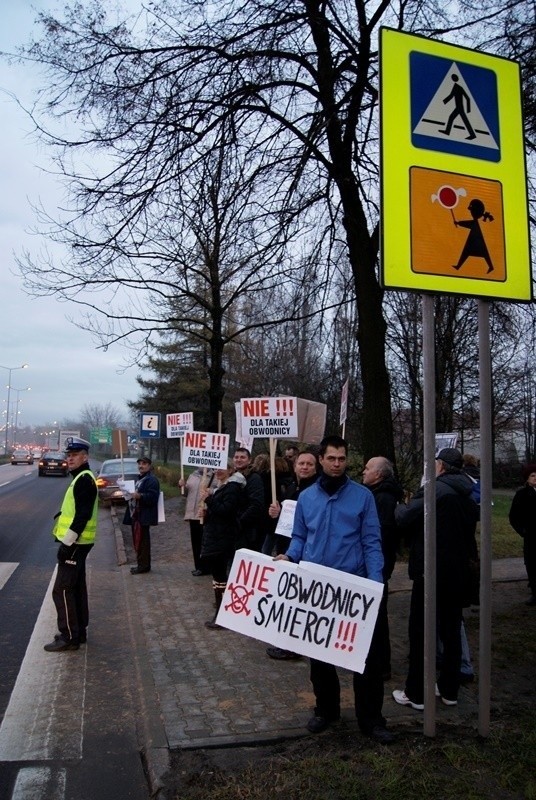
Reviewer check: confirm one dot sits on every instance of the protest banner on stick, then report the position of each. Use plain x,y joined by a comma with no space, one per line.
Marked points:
176,426
306,608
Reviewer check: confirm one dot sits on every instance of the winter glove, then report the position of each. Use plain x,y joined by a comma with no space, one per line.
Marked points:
69,538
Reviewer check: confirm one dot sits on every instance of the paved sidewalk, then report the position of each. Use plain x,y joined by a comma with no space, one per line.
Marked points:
218,688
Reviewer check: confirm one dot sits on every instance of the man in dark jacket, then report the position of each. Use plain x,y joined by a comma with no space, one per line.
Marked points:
378,476
522,518
456,512
141,513
250,514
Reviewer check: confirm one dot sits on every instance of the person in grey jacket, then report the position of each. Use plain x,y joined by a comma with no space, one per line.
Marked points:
456,513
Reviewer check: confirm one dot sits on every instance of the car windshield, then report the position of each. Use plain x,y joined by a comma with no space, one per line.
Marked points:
114,467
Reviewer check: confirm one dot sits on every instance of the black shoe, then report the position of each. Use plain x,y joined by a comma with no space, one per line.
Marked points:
197,573
282,655
212,625
318,724
60,646
82,639
382,735
139,570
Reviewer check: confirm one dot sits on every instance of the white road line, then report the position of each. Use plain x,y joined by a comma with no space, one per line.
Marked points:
7,568
34,783
44,718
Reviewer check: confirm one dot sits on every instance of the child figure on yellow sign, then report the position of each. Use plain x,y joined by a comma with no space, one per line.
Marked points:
475,244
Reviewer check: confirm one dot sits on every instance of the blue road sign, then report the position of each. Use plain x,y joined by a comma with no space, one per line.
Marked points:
454,107
149,425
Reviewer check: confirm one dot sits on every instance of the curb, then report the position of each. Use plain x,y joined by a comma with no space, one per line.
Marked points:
155,759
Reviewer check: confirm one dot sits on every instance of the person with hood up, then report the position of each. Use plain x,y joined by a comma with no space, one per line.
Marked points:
456,512
222,504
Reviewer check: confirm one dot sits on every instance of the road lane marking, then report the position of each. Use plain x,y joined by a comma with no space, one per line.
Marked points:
34,783
45,715
7,568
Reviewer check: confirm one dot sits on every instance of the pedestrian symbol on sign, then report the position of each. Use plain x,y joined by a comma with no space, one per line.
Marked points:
454,107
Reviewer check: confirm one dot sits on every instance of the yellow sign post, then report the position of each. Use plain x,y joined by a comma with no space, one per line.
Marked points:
454,206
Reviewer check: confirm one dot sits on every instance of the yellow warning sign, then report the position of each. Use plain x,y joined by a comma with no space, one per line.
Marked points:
457,225
454,209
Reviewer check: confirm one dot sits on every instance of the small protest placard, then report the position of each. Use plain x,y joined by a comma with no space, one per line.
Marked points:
269,417
203,449
306,608
286,518
177,424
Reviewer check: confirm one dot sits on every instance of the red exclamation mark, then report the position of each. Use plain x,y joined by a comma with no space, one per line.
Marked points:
352,637
290,407
339,634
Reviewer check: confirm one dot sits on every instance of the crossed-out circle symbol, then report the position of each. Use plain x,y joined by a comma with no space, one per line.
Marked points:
239,599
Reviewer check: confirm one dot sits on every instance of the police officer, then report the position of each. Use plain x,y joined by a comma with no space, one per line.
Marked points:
75,529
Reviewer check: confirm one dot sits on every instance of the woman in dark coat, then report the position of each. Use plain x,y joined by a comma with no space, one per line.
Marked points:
523,520
219,530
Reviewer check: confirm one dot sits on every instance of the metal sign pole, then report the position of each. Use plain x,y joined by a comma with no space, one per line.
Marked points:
484,681
428,351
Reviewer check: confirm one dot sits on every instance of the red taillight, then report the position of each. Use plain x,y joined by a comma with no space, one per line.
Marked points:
101,483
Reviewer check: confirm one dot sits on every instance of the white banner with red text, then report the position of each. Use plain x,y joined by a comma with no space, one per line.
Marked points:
305,608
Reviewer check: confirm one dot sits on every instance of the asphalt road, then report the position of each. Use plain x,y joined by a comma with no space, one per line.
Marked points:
70,720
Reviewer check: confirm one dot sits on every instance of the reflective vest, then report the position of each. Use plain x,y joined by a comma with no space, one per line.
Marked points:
67,513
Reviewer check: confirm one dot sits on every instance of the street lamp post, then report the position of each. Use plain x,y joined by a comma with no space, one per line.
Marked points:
15,424
10,370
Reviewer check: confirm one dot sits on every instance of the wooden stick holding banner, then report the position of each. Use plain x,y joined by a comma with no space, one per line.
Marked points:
181,445
119,445
273,448
344,407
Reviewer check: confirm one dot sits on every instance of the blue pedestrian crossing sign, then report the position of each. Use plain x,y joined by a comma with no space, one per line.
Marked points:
454,206
454,107
149,425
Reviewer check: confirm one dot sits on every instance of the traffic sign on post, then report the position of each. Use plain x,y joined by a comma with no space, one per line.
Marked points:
454,212
149,425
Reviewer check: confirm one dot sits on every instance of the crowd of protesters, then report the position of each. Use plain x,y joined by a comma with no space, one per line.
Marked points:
357,528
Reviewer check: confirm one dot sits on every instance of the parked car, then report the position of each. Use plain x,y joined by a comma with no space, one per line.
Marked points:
110,472
53,463
22,457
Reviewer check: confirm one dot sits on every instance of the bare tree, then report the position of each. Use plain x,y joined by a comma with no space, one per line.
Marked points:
291,84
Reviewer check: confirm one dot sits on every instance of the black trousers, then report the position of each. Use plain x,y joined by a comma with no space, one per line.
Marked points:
70,592
368,689
142,546
449,620
196,537
529,556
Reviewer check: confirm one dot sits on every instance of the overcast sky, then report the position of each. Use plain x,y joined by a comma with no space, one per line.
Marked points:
66,371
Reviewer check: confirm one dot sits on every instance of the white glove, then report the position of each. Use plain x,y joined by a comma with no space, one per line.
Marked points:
69,538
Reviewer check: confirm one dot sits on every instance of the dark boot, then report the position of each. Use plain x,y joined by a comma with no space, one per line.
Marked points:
212,624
